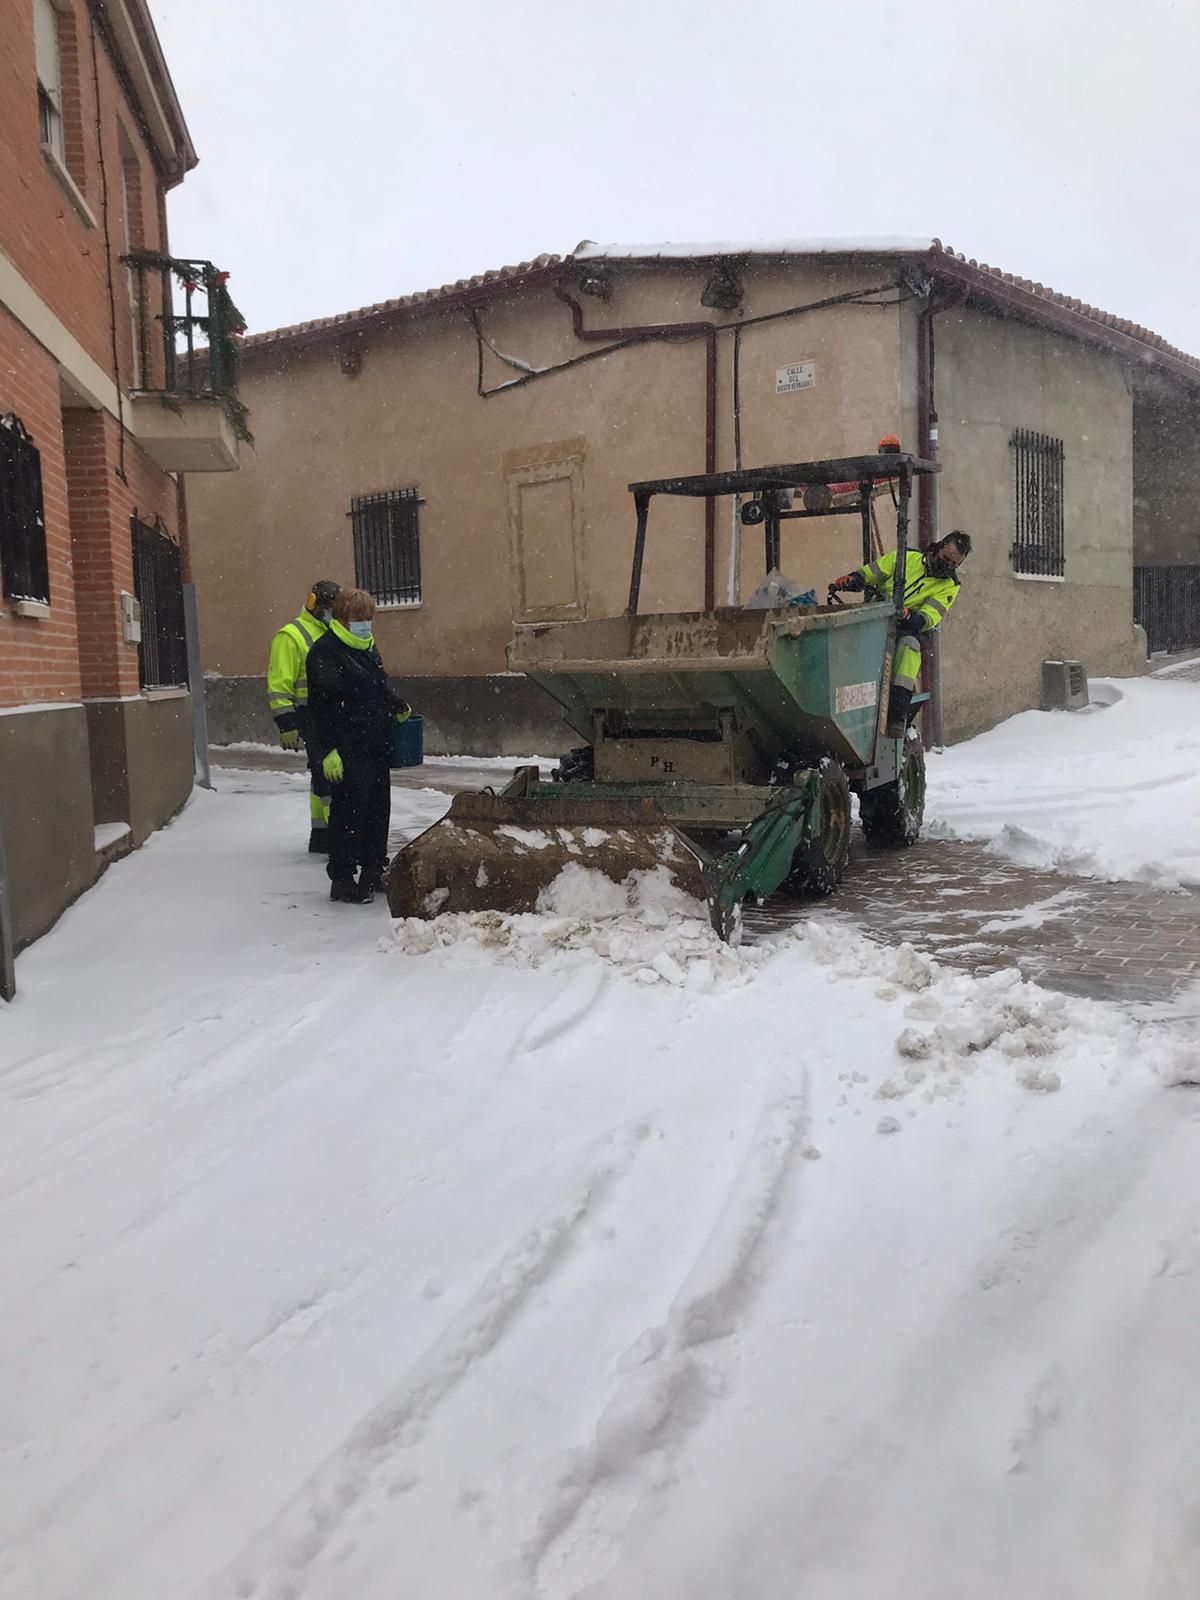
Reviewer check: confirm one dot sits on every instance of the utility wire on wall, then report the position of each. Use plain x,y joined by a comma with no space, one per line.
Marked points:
108,260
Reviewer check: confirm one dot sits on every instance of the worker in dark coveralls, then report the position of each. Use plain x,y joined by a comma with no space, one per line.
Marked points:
352,709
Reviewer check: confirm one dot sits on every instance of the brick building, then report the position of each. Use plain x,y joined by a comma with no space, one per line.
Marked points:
100,414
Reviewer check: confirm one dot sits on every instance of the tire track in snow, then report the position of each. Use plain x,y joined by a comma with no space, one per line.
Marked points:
1001,1310
563,1016
670,1374
297,1538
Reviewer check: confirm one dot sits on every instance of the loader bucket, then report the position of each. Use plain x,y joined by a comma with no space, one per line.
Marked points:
495,852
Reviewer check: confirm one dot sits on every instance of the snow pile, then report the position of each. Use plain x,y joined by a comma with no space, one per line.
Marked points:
645,927
1113,792
949,1026
954,1025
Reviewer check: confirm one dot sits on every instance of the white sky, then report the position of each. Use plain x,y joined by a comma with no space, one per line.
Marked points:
354,150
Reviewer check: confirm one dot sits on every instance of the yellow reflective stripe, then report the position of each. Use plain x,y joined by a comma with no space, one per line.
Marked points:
908,663
280,702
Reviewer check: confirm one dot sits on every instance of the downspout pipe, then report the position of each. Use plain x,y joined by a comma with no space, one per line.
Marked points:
927,507
928,521
665,331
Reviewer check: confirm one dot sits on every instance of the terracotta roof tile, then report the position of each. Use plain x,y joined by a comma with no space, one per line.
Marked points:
1020,294
405,302
1079,308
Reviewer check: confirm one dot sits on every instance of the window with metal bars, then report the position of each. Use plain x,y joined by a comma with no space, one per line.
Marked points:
387,546
158,587
1038,506
23,560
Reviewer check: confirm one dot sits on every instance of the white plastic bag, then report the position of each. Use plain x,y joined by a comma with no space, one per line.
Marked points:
777,593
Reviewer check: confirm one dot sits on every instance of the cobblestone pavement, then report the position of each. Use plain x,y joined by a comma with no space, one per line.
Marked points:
1125,942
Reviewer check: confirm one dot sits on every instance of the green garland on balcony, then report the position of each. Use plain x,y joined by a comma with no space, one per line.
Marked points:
230,326
222,338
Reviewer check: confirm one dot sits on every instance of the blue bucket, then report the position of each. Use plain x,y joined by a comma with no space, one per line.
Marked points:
408,743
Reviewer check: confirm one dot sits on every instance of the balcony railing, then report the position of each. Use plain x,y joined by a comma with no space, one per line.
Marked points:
192,353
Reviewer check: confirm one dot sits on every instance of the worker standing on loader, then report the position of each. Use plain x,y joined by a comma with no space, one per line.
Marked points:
287,696
352,711
930,588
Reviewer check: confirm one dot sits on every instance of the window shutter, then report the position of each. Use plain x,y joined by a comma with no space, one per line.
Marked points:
46,52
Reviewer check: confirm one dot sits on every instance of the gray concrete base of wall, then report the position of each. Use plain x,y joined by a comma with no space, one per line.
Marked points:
65,770
141,760
503,714
46,814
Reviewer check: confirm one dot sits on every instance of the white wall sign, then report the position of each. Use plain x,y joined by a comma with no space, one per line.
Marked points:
855,696
799,375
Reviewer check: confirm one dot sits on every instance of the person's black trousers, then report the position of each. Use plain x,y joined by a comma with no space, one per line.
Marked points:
359,812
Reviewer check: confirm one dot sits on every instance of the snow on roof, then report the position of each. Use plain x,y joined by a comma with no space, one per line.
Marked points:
589,250
1012,294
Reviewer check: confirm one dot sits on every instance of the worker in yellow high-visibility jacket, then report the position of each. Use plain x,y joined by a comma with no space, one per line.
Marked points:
287,696
931,585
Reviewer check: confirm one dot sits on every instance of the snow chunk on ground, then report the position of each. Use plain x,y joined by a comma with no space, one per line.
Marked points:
645,926
1112,793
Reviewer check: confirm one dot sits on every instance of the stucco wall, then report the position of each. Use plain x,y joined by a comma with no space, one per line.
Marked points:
993,377
412,416
1166,467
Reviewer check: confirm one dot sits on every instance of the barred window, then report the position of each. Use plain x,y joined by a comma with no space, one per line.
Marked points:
48,57
23,560
158,588
1038,467
387,546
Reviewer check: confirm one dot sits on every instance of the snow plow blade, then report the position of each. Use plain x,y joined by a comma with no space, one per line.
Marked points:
495,852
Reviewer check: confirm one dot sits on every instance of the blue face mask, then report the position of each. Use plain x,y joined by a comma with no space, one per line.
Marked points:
360,630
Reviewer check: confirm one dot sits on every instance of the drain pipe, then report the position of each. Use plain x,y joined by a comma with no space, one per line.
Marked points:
8,954
928,523
735,524
665,331
927,510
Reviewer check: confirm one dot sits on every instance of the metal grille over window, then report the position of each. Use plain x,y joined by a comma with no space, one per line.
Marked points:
1166,601
387,549
1038,465
22,527
158,586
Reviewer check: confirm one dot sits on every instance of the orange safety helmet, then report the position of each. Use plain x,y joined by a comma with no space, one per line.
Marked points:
889,445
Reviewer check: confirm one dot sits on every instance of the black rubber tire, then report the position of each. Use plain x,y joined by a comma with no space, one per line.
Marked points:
892,814
818,865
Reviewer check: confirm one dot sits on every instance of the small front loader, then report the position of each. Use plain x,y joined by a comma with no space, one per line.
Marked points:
722,745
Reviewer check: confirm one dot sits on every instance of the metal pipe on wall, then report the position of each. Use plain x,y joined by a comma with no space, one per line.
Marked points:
647,334
735,525
927,511
8,970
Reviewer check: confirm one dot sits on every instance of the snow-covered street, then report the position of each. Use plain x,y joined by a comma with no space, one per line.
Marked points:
531,1258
